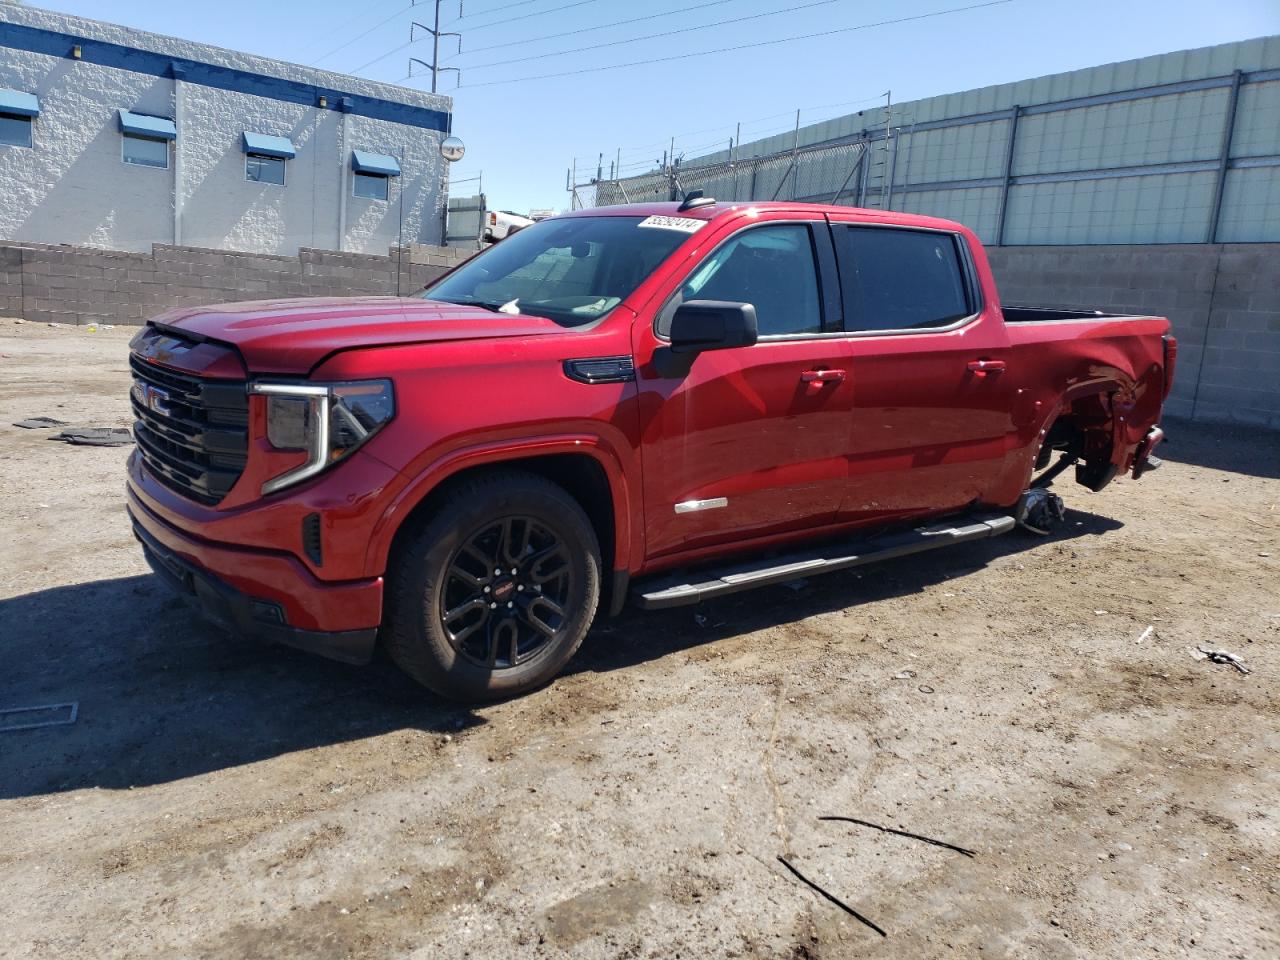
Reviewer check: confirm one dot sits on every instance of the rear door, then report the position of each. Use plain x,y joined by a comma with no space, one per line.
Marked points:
931,395
750,441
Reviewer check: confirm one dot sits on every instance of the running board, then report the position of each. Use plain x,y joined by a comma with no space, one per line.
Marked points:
687,588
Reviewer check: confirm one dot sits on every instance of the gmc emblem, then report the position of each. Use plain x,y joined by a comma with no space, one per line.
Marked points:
153,398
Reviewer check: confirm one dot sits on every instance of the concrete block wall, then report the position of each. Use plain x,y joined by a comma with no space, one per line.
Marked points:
79,285
1223,301
10,282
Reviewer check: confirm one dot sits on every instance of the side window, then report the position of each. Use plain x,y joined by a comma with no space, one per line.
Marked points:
898,279
771,267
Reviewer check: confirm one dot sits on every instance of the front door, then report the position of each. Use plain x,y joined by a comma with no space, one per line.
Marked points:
750,441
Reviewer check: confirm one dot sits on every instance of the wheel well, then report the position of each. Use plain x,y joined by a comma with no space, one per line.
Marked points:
579,474
1082,429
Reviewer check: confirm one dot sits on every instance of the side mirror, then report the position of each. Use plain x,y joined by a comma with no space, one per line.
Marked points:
699,325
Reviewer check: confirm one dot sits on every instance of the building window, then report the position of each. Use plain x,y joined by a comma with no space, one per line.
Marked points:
17,111
372,174
265,157
371,186
258,169
145,151
15,131
145,140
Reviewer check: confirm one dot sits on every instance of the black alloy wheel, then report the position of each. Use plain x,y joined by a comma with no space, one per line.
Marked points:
491,593
507,593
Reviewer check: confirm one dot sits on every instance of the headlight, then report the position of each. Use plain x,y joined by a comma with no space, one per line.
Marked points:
326,420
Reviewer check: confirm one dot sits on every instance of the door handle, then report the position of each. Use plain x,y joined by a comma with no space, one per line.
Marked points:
822,376
983,367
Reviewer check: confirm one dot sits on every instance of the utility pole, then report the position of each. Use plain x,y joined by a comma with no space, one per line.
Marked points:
436,34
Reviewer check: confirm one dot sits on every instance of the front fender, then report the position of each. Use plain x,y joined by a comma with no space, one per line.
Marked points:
626,523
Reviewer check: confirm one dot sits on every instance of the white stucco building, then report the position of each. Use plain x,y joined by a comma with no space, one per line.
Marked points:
116,138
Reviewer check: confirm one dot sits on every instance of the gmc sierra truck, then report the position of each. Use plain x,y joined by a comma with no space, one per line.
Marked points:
658,402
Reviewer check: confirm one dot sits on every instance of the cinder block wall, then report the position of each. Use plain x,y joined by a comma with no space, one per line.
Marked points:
1223,300
79,285
10,282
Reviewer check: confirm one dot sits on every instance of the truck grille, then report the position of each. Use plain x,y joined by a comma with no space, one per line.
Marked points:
192,432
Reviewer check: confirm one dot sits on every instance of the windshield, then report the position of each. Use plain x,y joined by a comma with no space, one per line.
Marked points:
571,271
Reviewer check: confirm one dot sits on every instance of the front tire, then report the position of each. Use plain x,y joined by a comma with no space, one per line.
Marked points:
494,594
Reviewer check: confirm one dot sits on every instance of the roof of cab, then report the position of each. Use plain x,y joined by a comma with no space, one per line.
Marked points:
725,208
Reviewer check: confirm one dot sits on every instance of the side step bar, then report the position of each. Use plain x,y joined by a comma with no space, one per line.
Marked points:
687,588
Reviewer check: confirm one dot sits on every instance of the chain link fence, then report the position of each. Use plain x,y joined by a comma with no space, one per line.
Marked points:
829,172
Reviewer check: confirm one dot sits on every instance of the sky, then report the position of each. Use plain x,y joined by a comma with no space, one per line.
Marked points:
523,129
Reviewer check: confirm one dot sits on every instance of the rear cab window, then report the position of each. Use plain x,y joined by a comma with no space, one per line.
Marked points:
897,278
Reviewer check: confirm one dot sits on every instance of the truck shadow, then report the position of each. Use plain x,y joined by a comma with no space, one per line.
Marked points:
636,636
164,696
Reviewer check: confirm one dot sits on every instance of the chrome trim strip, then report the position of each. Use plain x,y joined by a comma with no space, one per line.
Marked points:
1100,318
865,334
289,389
692,506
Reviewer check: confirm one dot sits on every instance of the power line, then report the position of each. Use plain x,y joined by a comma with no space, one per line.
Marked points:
654,36
602,26
402,46
527,16
338,29
482,13
569,33
741,46
360,36
379,59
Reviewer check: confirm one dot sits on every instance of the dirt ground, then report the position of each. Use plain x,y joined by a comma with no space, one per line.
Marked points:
219,799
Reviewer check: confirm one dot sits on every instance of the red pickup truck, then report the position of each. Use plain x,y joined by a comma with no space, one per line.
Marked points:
664,402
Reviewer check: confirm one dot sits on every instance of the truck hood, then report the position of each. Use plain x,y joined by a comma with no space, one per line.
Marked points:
293,336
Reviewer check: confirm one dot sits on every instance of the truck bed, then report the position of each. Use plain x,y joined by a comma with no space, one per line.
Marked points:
1021,314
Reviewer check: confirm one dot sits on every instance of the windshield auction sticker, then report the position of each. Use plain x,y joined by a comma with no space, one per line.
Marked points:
683,224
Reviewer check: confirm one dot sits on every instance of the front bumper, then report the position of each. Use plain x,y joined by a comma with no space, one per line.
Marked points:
269,597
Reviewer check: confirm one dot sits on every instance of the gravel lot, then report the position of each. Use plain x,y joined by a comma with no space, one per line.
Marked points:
220,799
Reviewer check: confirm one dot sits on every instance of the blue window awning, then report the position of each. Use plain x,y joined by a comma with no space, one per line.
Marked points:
140,125
19,104
262,145
377,164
